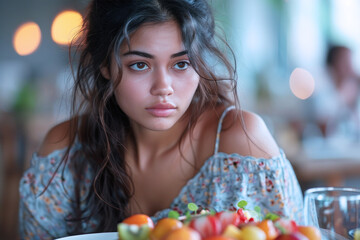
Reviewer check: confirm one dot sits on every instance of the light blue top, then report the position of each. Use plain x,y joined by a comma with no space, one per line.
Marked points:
220,184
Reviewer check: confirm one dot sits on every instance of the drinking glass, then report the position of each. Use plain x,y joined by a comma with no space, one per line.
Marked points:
334,210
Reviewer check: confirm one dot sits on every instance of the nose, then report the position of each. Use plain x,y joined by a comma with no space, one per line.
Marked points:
162,83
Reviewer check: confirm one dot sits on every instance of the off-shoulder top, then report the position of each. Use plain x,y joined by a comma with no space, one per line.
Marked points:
222,181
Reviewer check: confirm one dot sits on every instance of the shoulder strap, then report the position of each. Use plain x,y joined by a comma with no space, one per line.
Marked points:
219,127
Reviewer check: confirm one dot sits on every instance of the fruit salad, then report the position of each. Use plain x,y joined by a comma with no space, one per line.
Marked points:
242,224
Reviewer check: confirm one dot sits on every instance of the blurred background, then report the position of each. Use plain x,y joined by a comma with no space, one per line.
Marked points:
297,60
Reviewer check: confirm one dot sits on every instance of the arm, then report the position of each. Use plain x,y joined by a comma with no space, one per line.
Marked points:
30,228
42,214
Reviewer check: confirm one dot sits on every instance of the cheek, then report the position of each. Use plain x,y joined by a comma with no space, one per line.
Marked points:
189,87
127,94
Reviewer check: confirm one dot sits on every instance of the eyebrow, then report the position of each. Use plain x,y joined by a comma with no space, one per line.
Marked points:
147,55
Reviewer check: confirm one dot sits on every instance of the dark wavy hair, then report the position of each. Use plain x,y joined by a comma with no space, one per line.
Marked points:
103,127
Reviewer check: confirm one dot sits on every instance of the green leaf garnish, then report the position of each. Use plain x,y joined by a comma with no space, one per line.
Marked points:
188,216
257,209
192,207
271,216
173,214
212,212
242,204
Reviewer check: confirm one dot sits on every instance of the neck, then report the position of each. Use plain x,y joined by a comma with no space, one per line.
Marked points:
153,146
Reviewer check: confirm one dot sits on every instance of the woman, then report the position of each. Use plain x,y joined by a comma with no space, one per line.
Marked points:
156,96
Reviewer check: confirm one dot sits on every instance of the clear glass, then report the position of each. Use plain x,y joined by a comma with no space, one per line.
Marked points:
336,211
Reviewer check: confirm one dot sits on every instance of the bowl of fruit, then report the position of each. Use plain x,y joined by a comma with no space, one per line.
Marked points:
242,224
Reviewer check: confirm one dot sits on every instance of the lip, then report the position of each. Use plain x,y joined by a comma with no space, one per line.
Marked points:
161,109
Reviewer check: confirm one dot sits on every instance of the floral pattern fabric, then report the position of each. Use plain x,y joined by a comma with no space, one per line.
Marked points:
220,184
225,179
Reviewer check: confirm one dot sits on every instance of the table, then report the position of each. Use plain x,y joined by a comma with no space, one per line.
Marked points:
327,162
327,235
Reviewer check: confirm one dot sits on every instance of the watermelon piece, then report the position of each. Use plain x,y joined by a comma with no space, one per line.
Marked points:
226,218
243,217
285,225
207,226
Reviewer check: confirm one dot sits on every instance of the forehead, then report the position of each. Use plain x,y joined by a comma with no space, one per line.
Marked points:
156,35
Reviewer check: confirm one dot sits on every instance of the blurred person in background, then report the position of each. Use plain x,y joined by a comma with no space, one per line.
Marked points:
337,101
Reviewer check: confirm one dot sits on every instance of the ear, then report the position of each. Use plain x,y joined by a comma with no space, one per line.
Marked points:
105,72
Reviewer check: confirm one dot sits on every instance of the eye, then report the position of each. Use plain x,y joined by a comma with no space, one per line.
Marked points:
139,66
181,65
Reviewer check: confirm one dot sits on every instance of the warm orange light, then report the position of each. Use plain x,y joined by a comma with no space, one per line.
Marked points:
27,38
302,83
66,26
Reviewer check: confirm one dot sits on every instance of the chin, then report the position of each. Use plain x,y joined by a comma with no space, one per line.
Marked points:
157,124
160,127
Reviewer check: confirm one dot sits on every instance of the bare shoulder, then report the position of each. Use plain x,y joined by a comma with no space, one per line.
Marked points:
57,138
246,133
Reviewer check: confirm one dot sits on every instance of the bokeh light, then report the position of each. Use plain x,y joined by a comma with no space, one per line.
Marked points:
66,26
27,38
302,83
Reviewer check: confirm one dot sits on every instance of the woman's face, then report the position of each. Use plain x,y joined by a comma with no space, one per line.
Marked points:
158,82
